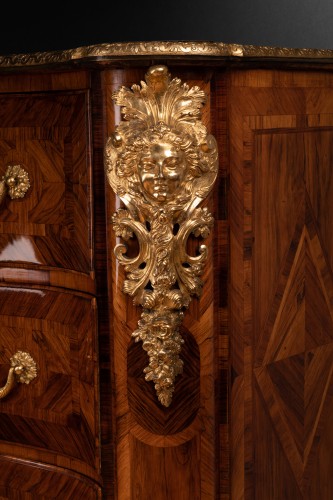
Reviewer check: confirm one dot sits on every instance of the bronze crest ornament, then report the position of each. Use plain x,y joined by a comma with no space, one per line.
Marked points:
162,163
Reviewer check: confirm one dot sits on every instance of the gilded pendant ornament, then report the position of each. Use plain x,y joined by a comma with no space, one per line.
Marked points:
162,163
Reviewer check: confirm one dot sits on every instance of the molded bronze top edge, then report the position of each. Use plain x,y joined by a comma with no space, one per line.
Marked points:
202,49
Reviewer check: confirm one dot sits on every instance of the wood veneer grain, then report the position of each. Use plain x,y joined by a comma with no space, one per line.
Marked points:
281,275
143,429
58,411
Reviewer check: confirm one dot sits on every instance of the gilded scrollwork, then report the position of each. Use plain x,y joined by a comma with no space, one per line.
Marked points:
162,163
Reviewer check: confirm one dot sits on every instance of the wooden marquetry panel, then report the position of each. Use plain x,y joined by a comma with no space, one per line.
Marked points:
22,480
281,138
47,134
57,414
50,429
165,453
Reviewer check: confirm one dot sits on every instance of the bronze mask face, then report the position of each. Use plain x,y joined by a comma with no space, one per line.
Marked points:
161,170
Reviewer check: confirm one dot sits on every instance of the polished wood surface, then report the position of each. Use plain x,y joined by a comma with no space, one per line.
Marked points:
57,411
47,134
103,292
281,284
50,429
178,445
22,479
250,414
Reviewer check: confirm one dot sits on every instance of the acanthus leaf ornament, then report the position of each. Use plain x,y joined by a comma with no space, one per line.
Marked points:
162,163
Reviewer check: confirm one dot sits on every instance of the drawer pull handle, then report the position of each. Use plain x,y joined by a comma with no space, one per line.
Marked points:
23,370
162,163
15,183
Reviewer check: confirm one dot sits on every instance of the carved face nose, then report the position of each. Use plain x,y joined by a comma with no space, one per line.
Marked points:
160,172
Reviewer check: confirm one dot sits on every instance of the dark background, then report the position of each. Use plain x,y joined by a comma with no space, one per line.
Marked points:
58,26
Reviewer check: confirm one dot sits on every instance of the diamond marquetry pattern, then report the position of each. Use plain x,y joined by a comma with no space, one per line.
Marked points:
294,356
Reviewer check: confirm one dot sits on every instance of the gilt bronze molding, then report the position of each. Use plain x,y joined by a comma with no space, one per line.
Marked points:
203,49
162,163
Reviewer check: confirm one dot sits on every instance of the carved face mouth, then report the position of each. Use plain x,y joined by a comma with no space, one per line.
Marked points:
160,190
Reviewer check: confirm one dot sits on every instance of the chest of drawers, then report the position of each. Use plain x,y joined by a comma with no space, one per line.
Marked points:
249,416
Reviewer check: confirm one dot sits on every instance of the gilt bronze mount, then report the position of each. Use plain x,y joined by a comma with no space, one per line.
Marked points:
162,163
23,370
14,183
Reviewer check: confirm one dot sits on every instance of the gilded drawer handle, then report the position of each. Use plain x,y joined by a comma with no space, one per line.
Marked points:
15,183
162,163
23,370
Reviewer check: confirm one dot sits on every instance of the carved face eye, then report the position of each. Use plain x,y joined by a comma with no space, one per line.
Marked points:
172,162
148,164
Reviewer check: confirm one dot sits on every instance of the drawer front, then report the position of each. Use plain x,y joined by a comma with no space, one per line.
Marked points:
21,480
47,134
54,419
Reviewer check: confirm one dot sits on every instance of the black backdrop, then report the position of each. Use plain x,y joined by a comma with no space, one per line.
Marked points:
63,25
